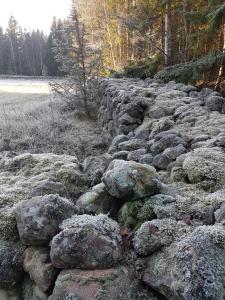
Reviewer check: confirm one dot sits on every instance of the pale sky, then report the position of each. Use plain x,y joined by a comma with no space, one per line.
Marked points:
33,14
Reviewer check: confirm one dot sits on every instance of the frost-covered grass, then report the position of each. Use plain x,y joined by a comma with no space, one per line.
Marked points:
31,120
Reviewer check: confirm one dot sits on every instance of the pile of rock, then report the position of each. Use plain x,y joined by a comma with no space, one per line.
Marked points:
143,221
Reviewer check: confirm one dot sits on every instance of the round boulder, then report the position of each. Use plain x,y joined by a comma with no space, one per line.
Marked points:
38,219
131,180
87,242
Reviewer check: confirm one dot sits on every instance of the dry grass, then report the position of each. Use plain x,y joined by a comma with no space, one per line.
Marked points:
33,121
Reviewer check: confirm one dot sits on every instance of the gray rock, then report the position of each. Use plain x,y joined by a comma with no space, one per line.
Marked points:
220,214
95,166
121,155
214,103
146,159
97,201
161,161
206,164
11,264
161,125
155,234
136,154
133,144
117,140
50,187
192,268
165,141
38,219
87,242
131,180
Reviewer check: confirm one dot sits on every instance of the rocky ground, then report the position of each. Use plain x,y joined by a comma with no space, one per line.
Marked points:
143,221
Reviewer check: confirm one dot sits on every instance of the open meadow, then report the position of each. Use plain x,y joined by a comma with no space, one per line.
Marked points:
33,120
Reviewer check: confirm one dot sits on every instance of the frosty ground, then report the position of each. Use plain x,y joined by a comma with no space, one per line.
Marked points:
33,120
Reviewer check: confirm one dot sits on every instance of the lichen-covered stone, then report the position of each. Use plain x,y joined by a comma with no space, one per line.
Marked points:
107,284
11,264
131,180
97,201
38,219
26,175
36,262
128,214
155,234
87,242
192,268
206,164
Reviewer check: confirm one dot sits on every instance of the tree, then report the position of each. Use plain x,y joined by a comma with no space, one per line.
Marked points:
79,60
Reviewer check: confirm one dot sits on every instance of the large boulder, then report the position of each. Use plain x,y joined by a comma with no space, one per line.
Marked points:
193,268
131,180
206,165
155,234
11,264
38,219
107,284
87,242
37,264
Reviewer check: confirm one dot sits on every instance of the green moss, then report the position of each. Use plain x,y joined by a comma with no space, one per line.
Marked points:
192,71
128,214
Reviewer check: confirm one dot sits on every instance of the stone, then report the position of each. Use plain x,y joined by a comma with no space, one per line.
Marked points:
50,187
131,145
103,284
11,264
95,166
10,294
206,164
97,201
136,154
30,291
36,262
161,125
165,141
214,103
155,234
146,159
190,268
38,219
23,175
87,242
128,214
131,180
120,155
220,214
117,140
162,160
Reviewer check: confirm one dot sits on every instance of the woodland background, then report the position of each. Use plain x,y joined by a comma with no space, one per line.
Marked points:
169,39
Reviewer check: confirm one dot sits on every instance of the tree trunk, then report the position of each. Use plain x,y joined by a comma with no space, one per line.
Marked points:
168,34
186,8
221,71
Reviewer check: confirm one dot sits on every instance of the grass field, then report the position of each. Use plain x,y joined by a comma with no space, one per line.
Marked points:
32,120
14,91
